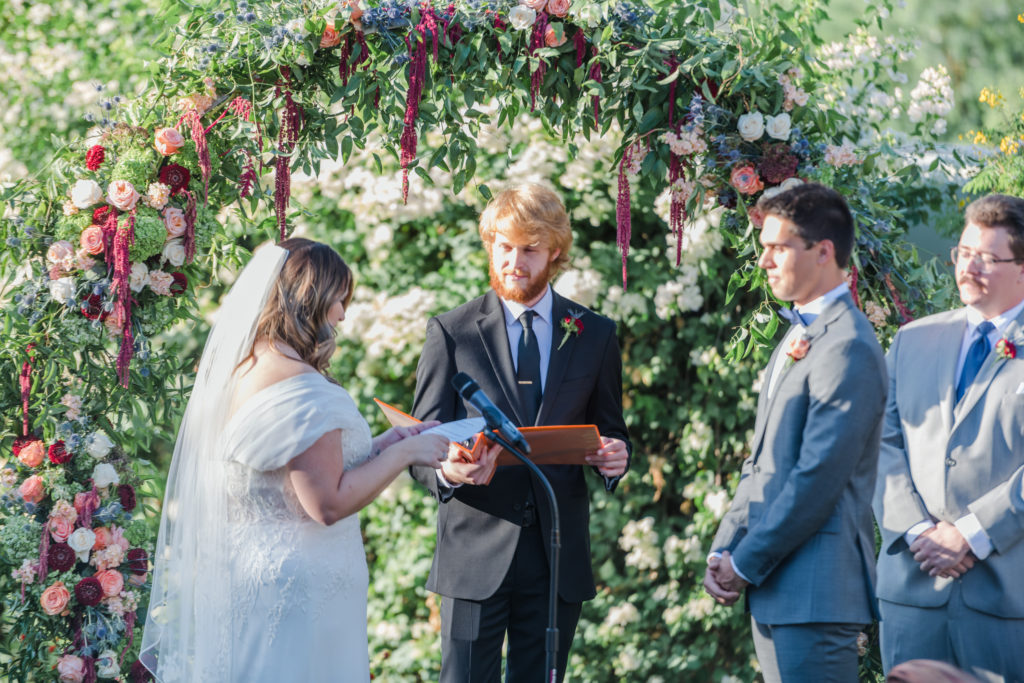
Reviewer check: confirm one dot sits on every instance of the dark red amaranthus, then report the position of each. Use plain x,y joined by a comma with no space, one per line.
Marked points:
192,118
622,217
129,630
905,313
345,69
853,285
291,122
540,27
90,502
122,279
595,74
190,226
499,25
416,40
25,382
580,41
677,205
109,228
247,180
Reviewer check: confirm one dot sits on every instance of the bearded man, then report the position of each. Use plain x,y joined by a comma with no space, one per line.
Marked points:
491,564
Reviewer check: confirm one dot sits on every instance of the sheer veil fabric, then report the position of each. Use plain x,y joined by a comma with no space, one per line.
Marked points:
187,633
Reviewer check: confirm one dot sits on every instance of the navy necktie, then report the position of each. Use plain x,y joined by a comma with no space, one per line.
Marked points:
976,355
528,369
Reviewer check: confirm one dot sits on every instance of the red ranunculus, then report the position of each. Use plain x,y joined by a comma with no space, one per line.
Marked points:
1005,349
99,216
60,557
176,176
94,157
92,308
180,284
58,453
137,561
127,495
88,591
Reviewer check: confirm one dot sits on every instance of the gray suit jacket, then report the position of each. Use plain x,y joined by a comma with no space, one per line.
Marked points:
941,460
800,524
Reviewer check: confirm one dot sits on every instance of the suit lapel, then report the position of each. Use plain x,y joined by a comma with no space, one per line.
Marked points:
946,352
559,357
764,399
494,341
990,368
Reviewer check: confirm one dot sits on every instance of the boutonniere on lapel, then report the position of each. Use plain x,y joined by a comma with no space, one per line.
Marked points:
1005,349
798,347
572,326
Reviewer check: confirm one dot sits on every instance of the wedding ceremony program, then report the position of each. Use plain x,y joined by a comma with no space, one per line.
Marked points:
511,341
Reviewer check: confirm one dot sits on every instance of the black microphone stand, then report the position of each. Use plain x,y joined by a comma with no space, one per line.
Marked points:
551,643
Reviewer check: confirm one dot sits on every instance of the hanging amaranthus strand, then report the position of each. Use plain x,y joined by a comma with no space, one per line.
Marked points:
291,121
853,285
109,230
192,118
540,27
345,69
677,204
595,75
129,631
416,41
25,382
90,502
247,180
499,25
581,47
622,217
190,227
900,306
122,279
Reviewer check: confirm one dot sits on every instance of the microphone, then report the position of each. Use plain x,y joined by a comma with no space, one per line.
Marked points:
471,392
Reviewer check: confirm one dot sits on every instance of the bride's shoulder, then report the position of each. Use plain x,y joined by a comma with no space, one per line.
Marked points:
264,371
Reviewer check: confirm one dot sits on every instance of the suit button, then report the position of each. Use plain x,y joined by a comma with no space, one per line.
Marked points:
517,507
950,462
757,468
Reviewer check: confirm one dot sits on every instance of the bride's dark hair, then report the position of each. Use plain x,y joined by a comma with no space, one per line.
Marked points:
312,278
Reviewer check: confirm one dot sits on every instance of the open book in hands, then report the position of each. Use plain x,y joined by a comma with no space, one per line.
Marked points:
549,445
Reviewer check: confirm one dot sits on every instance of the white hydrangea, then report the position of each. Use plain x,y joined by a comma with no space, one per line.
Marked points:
699,607
620,304
582,285
388,325
640,541
933,95
717,503
622,615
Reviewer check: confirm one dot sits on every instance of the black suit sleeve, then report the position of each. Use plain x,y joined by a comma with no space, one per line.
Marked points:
435,399
604,408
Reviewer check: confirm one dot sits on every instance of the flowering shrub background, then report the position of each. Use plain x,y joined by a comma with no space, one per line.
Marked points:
659,138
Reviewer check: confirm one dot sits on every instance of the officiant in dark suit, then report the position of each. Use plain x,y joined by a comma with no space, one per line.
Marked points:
491,562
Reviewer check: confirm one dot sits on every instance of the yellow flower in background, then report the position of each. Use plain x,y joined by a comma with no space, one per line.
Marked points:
1020,18
1009,146
992,98
977,137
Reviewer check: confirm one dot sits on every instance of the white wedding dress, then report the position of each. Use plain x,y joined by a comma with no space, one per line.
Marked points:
298,589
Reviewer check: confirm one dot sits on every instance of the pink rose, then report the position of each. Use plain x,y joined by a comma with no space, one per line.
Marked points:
31,489
160,282
798,348
55,598
60,529
103,537
745,179
122,194
552,38
535,5
174,221
71,669
117,538
112,582
558,7
330,38
31,455
61,253
168,141
91,240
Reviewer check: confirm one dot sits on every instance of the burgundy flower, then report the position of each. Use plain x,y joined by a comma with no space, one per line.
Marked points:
88,591
127,495
99,215
175,175
777,164
92,308
138,561
139,673
94,157
58,453
60,557
20,443
1005,349
180,284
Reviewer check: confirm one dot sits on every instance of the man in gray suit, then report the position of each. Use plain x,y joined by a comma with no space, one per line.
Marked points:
798,536
948,500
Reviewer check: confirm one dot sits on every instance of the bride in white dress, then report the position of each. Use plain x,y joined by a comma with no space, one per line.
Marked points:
260,572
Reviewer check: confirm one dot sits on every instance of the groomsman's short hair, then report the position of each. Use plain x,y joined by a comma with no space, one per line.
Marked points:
1001,211
818,212
529,213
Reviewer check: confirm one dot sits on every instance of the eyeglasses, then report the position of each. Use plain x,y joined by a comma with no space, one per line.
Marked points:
988,261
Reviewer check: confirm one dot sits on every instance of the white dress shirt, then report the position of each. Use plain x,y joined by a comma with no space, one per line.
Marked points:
809,312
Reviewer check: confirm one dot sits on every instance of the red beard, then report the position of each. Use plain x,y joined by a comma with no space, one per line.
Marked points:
534,287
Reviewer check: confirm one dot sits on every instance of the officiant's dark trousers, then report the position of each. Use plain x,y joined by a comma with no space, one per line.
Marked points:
472,632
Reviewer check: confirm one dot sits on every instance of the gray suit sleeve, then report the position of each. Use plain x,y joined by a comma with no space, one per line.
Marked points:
1001,512
845,404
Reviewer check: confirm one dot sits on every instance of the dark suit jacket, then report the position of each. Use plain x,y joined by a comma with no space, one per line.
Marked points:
478,526
800,526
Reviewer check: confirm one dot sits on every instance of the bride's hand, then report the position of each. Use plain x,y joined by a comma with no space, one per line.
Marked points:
396,434
428,450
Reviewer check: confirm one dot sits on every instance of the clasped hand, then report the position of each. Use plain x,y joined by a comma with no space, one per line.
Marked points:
721,582
943,551
611,459
458,468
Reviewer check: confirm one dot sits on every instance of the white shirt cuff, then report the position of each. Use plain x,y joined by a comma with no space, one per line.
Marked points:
970,527
911,535
444,482
732,561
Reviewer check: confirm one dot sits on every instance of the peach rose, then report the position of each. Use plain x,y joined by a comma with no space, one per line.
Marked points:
92,240
31,489
60,529
331,37
71,669
552,38
32,454
55,598
174,221
535,5
356,13
798,348
103,537
558,7
61,253
745,179
122,194
160,282
112,582
168,141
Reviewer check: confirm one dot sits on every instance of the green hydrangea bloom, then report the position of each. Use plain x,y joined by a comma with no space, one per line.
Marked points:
207,228
188,158
19,537
70,227
150,235
137,166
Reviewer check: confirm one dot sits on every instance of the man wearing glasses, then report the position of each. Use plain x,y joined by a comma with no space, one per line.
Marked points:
948,499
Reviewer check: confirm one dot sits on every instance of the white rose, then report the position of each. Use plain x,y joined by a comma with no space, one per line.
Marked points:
521,17
139,276
85,193
751,126
98,445
106,665
297,27
81,541
104,474
174,252
778,126
62,289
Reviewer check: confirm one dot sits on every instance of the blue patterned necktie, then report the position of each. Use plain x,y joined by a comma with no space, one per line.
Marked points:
976,355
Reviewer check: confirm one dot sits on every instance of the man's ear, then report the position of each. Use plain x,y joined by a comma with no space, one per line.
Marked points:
826,251
554,254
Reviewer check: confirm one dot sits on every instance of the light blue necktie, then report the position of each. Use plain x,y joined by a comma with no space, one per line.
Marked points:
976,355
